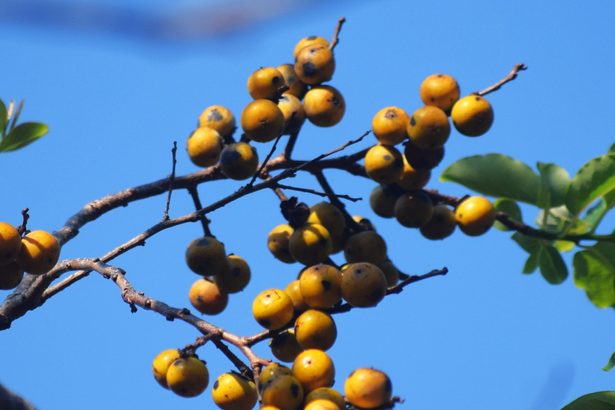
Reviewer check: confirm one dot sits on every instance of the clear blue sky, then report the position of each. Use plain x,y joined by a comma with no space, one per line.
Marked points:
483,337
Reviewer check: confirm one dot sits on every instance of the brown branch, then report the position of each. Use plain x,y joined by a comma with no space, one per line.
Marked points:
23,228
237,362
167,205
314,192
263,167
336,33
335,201
509,77
194,193
290,145
12,401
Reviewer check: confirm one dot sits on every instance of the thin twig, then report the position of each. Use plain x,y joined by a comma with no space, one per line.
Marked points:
509,77
237,362
200,341
314,192
290,145
23,228
263,165
194,193
335,201
336,33
167,205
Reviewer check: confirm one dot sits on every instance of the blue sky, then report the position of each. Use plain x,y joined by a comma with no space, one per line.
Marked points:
485,336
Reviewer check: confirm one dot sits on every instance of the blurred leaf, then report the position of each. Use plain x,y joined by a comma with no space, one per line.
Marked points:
3,117
555,182
552,266
603,400
22,135
495,175
531,264
594,271
531,245
564,246
591,219
607,367
555,220
594,179
509,207
612,148
609,197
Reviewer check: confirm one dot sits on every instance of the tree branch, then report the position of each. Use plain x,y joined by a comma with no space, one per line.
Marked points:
509,77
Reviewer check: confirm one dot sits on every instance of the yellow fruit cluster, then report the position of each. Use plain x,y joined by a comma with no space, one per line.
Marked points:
35,253
185,375
223,274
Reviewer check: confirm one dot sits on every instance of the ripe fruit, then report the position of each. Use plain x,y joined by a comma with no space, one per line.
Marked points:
262,120
266,83
422,159
313,368
161,364
272,309
315,64
412,179
310,244
236,278
207,297
368,388
284,392
293,290
389,125
187,376
309,41
391,273
440,90
428,127
39,252
413,209
294,114
204,146
10,243
382,200
366,246
218,118
284,346
315,330
277,242
296,87
326,393
10,276
363,284
472,115
322,404
329,216
206,256
441,224
383,164
272,371
320,286
239,161
475,215
324,106
232,391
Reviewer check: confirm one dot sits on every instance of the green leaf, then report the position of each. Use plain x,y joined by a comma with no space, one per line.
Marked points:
612,148
555,182
552,266
495,175
528,243
22,135
607,367
603,400
531,264
3,117
594,179
509,207
594,271
564,246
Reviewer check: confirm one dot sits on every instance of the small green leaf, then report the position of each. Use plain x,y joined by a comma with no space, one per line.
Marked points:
612,148
555,182
509,207
607,367
603,400
591,219
495,175
594,271
528,243
3,117
594,179
564,246
552,266
531,264
22,135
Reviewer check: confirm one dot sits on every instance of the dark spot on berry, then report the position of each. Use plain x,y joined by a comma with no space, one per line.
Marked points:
358,271
432,99
216,384
390,114
275,80
215,115
387,157
325,284
477,98
311,37
294,390
229,156
309,69
439,76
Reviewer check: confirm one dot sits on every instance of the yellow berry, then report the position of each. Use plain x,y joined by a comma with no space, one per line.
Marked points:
161,364
187,377
423,159
262,120
294,114
441,224
39,252
324,106
366,246
296,87
363,284
272,309
326,393
472,115
309,41
206,256
320,286
383,164
218,118
413,209
315,330
382,200
315,64
204,146
368,388
329,216
313,368
293,290
284,392
236,278
207,297
232,391
389,125
239,161
429,127
310,244
322,404
271,371
284,346
475,215
10,276
440,90
412,179
266,83
278,243
10,243
391,273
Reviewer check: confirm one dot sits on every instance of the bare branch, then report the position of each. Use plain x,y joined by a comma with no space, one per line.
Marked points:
336,33
23,228
509,77
165,216
314,192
